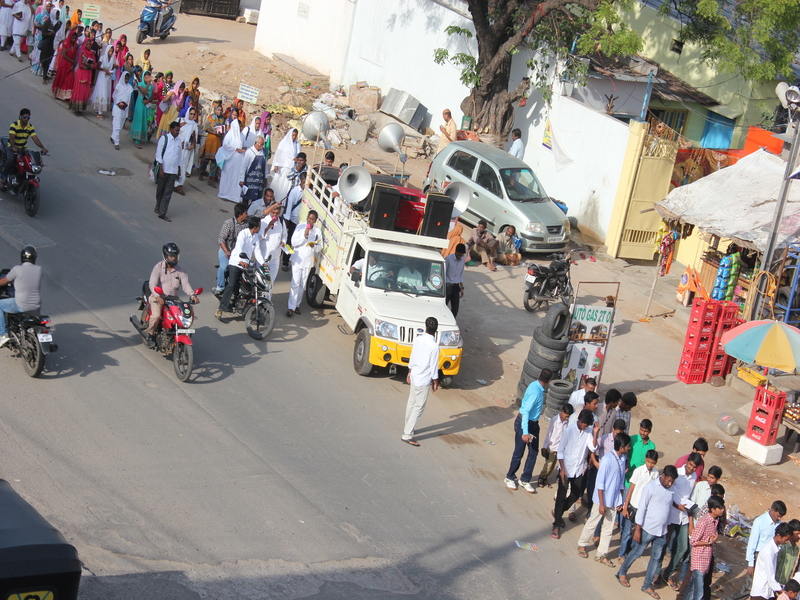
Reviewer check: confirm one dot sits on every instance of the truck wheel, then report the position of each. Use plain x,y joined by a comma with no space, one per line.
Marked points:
315,291
445,381
361,353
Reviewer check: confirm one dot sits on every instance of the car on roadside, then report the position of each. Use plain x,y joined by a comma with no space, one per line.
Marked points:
504,191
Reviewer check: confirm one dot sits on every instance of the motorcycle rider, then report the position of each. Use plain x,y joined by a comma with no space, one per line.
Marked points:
27,278
18,135
170,277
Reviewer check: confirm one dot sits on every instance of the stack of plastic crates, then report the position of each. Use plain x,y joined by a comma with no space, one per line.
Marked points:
766,416
720,364
699,341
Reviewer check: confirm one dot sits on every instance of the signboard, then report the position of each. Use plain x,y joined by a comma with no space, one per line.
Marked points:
547,138
91,12
248,93
589,333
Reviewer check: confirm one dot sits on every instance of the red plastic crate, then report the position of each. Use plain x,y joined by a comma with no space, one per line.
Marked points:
691,377
700,356
699,326
704,310
766,417
718,360
693,366
698,343
765,437
728,312
769,400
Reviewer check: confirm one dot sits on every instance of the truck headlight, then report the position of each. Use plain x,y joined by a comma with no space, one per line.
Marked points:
566,226
534,227
450,338
386,330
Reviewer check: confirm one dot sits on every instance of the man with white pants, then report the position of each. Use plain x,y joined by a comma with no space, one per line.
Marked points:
423,374
306,243
22,20
272,242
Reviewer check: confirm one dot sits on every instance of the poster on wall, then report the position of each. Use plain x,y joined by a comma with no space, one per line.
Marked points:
589,334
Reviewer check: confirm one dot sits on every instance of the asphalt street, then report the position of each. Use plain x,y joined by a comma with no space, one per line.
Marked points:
275,472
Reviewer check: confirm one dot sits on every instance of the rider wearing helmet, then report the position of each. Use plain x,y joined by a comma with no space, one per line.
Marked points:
27,278
171,277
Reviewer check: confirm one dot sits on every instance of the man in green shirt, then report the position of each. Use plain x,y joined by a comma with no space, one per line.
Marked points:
640,444
788,554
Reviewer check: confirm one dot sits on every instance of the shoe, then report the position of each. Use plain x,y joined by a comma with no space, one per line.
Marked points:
165,218
218,314
4,339
526,485
179,190
155,210
510,483
151,341
297,310
284,267
289,312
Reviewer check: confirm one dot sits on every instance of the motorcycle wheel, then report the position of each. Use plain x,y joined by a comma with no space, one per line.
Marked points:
163,36
259,319
32,355
528,301
141,36
31,200
183,361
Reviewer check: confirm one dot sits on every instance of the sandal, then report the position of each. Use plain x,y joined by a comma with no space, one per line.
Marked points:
582,552
623,580
556,533
673,584
603,560
652,594
411,442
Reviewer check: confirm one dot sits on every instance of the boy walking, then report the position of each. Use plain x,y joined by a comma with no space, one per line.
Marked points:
702,542
551,442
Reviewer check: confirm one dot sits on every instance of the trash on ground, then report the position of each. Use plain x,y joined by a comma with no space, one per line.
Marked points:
109,173
490,442
719,445
527,546
723,567
482,381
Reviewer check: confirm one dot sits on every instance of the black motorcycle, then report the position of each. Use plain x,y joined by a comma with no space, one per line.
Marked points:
31,334
546,284
252,301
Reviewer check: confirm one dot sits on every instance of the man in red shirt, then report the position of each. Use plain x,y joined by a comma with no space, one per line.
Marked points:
701,447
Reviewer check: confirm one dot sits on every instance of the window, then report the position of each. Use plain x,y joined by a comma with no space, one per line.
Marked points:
402,274
522,186
463,163
487,179
677,46
674,119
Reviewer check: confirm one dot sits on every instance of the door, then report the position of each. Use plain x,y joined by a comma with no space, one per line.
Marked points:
487,195
347,298
460,167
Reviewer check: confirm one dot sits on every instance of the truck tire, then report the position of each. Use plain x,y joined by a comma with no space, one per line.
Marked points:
531,370
544,352
556,322
361,353
315,291
548,342
541,363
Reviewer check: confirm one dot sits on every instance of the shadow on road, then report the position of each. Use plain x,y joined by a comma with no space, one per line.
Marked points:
479,418
82,350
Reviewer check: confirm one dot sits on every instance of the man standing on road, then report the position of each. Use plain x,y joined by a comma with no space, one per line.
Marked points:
169,152
306,243
517,149
765,586
552,439
291,212
679,522
227,240
448,130
652,518
27,278
423,376
272,242
763,530
526,433
454,272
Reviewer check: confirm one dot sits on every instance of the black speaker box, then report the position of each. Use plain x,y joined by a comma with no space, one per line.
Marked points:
438,212
384,206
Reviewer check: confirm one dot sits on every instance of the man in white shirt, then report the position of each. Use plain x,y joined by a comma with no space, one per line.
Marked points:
291,212
679,520
410,276
765,586
576,398
241,257
576,441
642,475
454,277
551,441
591,403
423,375
271,242
517,149
169,154
306,243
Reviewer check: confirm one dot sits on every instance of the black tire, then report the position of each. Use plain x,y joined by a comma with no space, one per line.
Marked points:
361,353
141,36
528,302
183,361
163,36
32,355
31,200
541,363
548,342
546,353
445,381
315,291
259,320
556,322
560,387
531,370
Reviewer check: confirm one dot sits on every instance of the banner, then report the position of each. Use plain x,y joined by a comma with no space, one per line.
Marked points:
91,12
248,93
589,333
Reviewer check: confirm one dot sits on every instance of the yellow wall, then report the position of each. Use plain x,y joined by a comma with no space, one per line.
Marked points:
626,181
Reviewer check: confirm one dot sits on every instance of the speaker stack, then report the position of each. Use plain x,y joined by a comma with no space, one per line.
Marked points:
438,212
384,206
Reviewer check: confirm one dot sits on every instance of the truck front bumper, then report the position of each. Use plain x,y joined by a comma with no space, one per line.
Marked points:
387,352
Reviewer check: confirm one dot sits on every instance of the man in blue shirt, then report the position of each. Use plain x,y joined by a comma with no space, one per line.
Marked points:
526,433
763,531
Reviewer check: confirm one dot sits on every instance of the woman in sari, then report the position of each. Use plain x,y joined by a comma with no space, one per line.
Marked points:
121,108
287,150
64,80
144,60
229,158
82,89
100,99
141,110
454,238
266,131
39,21
250,132
172,100
215,130
122,56
107,41
189,133
127,63
192,98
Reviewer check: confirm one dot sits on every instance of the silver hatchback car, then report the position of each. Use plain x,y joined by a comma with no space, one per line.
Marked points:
503,191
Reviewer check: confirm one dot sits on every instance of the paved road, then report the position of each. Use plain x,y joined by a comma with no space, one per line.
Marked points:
276,472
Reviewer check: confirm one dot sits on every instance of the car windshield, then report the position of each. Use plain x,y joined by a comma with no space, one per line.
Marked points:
396,273
521,185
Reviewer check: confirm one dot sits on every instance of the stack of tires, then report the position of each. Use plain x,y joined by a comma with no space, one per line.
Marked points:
558,393
548,347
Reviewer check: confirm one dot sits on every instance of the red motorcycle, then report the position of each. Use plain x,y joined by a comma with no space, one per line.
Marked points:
24,179
174,335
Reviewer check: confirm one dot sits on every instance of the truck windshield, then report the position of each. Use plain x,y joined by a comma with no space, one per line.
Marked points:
522,186
396,273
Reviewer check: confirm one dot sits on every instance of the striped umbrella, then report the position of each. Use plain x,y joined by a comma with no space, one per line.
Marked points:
771,344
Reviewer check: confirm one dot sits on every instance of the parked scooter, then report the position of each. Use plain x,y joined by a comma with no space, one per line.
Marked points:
24,178
546,284
157,20
31,334
253,300
174,335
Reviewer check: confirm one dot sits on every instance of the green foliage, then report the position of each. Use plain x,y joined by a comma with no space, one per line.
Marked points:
753,38
465,62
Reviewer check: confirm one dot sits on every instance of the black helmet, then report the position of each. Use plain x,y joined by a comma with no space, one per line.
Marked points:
28,254
171,253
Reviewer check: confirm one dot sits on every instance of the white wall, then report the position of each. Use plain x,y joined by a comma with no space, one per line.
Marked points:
628,95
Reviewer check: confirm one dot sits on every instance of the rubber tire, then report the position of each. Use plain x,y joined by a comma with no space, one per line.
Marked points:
556,322
541,363
251,319
31,200
544,352
183,361
32,355
445,381
543,340
527,299
531,370
163,36
316,291
141,36
361,353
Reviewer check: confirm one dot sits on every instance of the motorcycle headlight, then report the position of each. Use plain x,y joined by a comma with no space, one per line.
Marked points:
386,330
36,168
534,227
450,338
186,321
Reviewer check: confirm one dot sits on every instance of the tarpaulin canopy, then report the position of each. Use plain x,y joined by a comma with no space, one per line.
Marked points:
738,202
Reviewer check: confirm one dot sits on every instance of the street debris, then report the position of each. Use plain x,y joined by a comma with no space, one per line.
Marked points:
482,381
109,173
719,445
723,567
490,442
527,546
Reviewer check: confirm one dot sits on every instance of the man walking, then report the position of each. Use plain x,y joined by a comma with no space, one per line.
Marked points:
454,274
552,439
306,243
517,149
291,214
423,376
765,585
169,152
526,433
652,518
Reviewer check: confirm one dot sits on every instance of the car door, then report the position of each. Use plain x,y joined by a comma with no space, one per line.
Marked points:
487,196
460,167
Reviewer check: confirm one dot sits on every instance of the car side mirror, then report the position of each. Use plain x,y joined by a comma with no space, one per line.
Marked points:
355,276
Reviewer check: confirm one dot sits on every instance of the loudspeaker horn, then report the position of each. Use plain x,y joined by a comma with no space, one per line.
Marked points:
459,193
316,126
355,184
390,138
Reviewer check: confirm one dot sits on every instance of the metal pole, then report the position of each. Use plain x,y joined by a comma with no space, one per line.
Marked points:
653,288
646,101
